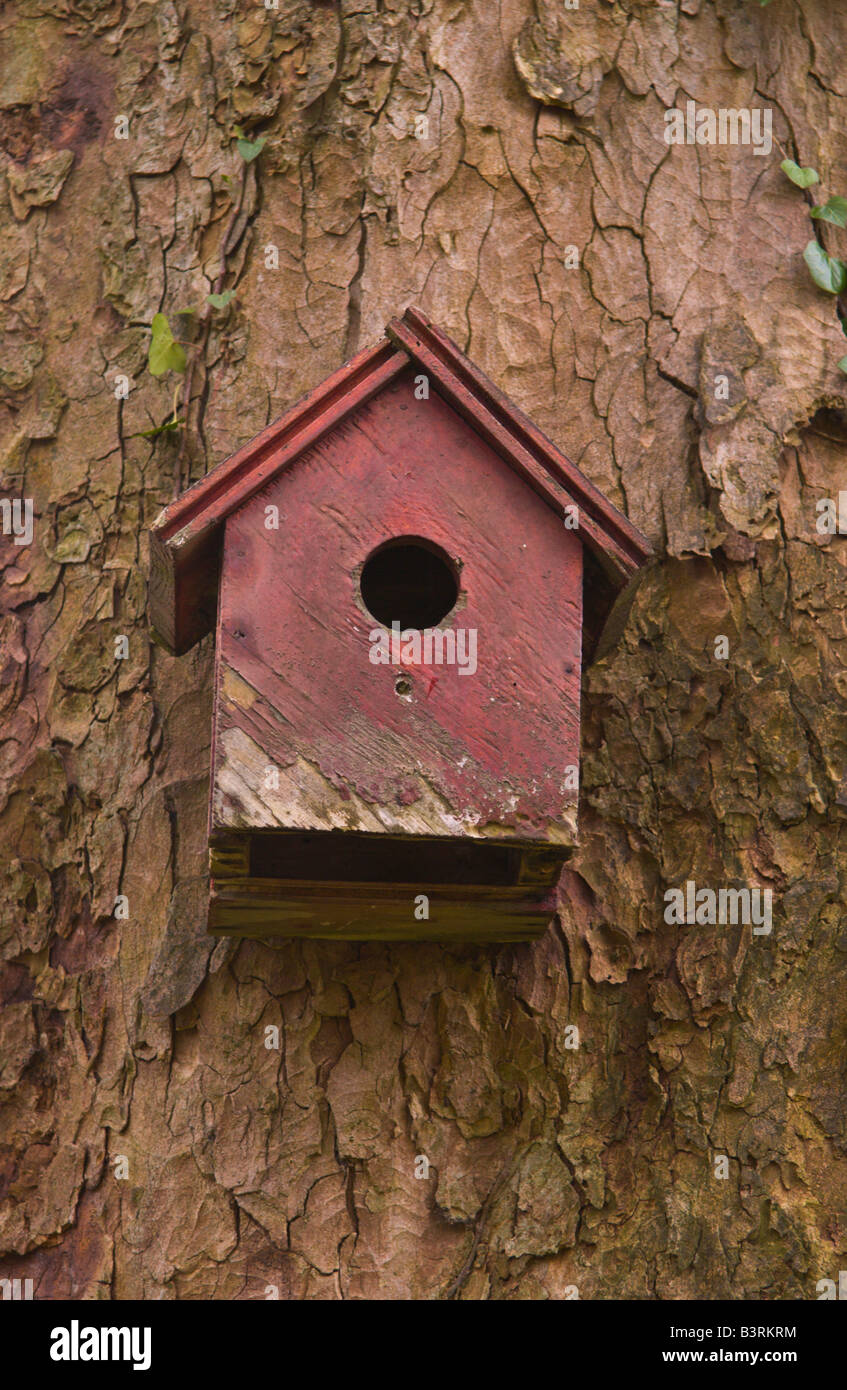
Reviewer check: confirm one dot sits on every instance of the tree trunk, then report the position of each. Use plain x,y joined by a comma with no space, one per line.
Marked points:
628,1107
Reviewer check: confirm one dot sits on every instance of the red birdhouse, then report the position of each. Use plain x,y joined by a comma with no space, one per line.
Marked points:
403,574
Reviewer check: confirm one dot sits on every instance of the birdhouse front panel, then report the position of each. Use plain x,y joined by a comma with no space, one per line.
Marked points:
404,571
399,640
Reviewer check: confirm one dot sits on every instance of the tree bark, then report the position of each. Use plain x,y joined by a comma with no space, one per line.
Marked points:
504,167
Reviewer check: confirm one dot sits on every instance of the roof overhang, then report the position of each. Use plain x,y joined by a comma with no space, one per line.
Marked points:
186,537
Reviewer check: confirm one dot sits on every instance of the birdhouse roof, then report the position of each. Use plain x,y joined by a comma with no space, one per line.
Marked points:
186,536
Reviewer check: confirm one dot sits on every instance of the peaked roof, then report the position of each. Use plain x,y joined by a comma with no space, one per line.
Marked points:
186,537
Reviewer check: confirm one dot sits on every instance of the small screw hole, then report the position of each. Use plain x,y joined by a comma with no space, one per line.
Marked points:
403,686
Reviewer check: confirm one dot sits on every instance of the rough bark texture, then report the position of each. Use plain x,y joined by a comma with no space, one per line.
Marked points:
142,1037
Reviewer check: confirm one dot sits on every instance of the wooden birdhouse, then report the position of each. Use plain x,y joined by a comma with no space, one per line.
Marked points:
403,575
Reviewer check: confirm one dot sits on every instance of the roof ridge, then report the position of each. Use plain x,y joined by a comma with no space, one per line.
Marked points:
525,430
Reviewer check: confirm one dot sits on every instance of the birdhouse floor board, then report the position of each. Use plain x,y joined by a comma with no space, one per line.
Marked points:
375,912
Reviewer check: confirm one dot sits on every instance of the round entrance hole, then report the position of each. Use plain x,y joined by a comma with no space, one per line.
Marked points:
409,581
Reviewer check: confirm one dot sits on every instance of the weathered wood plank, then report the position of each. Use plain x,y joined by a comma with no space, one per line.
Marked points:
375,912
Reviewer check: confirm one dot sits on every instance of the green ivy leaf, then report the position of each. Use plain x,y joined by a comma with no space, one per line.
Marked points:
828,273
159,429
165,353
162,429
802,177
220,301
834,210
250,149
843,364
